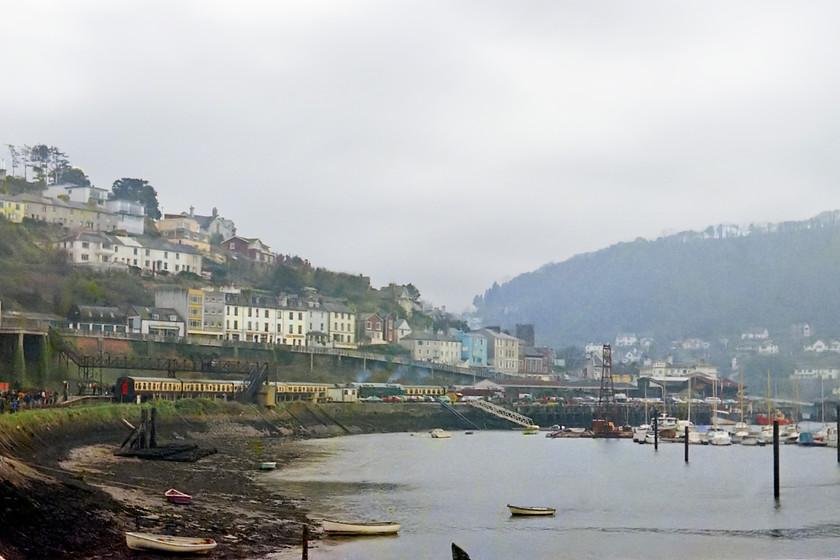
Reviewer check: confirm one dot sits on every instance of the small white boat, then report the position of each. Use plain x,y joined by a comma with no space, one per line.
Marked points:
359,528
531,430
719,437
640,433
516,510
831,436
168,543
439,433
268,466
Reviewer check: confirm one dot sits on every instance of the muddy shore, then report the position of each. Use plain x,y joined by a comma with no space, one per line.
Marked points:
64,493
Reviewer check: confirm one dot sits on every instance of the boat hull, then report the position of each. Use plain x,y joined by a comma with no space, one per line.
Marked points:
516,510
177,497
168,543
352,528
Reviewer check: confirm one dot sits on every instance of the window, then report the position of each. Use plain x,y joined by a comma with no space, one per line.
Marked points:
291,316
266,314
85,257
300,329
300,316
85,245
291,329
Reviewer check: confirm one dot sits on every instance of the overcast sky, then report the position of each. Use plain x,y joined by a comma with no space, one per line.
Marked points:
448,143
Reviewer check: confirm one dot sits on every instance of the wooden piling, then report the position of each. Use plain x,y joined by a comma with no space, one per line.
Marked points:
776,459
153,429
686,444
305,553
838,433
144,428
655,433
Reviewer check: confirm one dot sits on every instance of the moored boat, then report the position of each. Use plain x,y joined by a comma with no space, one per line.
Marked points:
718,437
516,510
359,528
177,497
640,433
831,436
169,543
439,433
767,420
268,465
531,430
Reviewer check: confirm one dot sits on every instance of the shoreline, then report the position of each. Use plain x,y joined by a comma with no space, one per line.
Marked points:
65,494
68,497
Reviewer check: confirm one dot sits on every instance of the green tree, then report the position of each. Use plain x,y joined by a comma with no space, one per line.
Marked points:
137,190
76,176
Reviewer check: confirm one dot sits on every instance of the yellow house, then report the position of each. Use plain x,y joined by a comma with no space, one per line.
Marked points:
12,208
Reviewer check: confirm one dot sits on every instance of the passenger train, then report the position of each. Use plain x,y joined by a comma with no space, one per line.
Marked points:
139,389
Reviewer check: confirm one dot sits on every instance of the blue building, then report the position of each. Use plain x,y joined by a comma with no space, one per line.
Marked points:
474,349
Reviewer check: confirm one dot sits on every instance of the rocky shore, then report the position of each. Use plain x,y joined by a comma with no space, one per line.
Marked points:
64,493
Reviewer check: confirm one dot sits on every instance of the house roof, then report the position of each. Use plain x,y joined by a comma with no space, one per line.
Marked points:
428,335
102,314
163,313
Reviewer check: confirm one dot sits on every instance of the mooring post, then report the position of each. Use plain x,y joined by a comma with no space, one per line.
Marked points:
837,435
305,554
655,433
153,429
686,444
776,459
144,429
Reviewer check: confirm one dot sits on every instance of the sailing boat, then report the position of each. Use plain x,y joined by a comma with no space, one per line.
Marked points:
715,435
741,431
778,416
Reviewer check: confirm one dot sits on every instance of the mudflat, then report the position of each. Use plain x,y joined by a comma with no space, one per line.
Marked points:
70,496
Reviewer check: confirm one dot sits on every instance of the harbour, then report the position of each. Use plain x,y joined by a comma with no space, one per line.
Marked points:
613,498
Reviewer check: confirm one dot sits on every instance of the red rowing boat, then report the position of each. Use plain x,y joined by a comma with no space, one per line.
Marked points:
177,497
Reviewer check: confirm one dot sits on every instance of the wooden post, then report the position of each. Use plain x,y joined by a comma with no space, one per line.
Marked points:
153,429
305,554
838,433
686,444
776,459
144,429
655,432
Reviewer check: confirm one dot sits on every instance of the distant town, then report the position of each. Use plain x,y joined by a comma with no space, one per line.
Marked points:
107,231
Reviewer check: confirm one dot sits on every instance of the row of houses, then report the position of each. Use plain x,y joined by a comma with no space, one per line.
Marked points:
107,251
110,216
235,315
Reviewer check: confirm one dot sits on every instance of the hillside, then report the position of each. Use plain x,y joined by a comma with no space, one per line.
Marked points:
719,282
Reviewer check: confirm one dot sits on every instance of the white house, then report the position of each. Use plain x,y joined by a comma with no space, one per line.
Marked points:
625,340
433,347
130,216
156,321
818,346
93,249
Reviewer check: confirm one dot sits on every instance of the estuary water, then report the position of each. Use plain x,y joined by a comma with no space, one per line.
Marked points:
614,498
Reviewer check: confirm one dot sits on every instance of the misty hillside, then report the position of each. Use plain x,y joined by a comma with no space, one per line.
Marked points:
719,282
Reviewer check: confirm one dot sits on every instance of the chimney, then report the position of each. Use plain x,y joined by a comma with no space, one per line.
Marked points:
215,212
192,211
